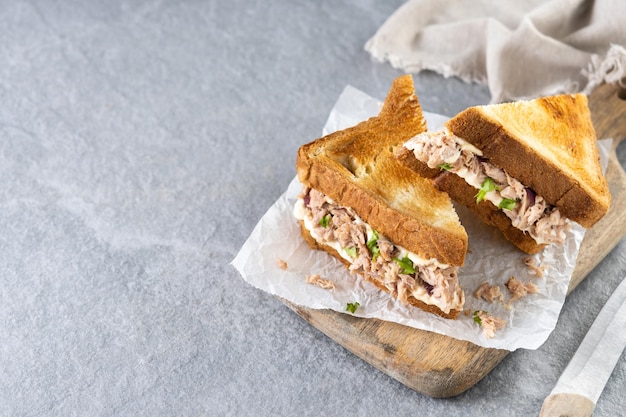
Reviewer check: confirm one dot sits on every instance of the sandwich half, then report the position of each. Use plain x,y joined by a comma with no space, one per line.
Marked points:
385,222
528,167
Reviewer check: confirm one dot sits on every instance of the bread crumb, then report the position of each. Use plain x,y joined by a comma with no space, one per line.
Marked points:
536,270
282,264
489,292
316,279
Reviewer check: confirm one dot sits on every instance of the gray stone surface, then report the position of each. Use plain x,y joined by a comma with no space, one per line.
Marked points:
140,142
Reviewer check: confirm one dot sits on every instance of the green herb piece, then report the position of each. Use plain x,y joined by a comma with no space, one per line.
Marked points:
325,221
445,166
487,186
351,251
406,265
507,204
372,245
351,307
477,319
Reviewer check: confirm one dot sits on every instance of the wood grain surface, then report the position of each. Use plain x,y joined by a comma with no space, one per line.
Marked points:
441,366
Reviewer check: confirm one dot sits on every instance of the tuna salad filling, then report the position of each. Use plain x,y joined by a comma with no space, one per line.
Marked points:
527,211
402,273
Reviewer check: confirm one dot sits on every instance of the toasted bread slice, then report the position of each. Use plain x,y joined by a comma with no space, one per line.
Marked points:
353,173
356,168
549,145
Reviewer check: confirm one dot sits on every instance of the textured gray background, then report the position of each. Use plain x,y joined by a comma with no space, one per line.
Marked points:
140,142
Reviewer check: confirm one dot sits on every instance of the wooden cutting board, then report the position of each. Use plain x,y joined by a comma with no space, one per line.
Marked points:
441,366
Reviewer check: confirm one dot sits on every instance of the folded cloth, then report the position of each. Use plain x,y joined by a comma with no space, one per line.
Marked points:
520,49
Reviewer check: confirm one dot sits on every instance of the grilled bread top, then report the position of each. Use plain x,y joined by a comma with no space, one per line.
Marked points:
356,168
549,145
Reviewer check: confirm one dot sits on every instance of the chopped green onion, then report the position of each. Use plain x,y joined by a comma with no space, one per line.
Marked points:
325,221
487,186
445,166
372,245
351,307
351,251
507,204
477,319
406,265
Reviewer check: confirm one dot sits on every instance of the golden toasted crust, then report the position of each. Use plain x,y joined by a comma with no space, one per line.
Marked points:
407,157
356,168
549,145
412,300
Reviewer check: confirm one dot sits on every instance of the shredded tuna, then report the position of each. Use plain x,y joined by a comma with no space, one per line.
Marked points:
488,323
316,279
316,200
534,268
495,173
282,264
341,225
489,292
519,289
530,212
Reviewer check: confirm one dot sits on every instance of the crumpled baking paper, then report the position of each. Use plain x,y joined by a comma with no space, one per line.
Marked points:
529,321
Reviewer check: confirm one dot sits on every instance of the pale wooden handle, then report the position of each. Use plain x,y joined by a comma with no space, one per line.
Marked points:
567,405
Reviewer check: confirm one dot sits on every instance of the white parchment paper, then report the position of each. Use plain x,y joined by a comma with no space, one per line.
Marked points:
490,258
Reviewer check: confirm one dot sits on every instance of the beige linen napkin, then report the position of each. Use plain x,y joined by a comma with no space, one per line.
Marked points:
520,49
